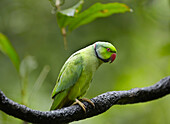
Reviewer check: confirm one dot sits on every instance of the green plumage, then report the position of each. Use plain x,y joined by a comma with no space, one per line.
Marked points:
76,74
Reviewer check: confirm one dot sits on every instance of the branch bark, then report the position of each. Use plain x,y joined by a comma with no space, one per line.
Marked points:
73,113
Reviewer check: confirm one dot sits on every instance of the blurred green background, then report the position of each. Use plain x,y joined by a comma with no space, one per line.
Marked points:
142,39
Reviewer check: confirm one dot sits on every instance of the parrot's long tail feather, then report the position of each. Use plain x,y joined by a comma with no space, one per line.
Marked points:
61,100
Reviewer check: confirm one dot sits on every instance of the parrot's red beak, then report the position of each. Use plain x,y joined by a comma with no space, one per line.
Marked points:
112,58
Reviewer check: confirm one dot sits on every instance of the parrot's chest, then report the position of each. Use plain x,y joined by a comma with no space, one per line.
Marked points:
82,85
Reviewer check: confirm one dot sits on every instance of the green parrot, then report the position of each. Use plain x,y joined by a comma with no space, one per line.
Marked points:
77,73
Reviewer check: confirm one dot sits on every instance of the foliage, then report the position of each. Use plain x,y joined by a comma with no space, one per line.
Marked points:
7,49
74,18
24,68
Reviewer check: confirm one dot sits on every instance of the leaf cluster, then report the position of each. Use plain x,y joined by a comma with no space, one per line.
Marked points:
74,18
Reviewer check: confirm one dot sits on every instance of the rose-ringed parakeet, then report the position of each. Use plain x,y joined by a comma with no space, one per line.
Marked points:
77,73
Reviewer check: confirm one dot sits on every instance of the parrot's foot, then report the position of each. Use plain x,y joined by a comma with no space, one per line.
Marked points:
89,101
81,104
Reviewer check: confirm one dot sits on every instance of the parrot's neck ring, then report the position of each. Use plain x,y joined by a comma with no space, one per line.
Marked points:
104,60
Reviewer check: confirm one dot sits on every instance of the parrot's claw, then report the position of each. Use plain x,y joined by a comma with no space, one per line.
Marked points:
89,101
81,104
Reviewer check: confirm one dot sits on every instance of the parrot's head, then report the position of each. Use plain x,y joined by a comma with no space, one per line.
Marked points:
105,51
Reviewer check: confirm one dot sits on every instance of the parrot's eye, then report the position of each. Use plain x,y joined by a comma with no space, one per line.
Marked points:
108,49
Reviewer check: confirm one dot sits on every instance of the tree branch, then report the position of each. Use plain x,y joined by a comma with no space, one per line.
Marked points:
72,113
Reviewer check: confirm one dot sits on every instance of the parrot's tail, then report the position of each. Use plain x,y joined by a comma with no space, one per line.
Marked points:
61,100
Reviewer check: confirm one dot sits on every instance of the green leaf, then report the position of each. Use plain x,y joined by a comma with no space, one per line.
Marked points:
63,20
64,17
97,10
8,50
73,10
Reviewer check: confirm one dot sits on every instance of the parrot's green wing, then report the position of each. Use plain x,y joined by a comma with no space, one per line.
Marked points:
58,80
68,76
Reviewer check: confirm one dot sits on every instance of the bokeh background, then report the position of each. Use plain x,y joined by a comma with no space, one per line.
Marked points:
142,39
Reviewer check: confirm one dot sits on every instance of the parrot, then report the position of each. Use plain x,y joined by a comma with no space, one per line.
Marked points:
77,73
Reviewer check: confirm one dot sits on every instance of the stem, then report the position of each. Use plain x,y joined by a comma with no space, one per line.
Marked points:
23,90
57,3
24,82
39,81
63,31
